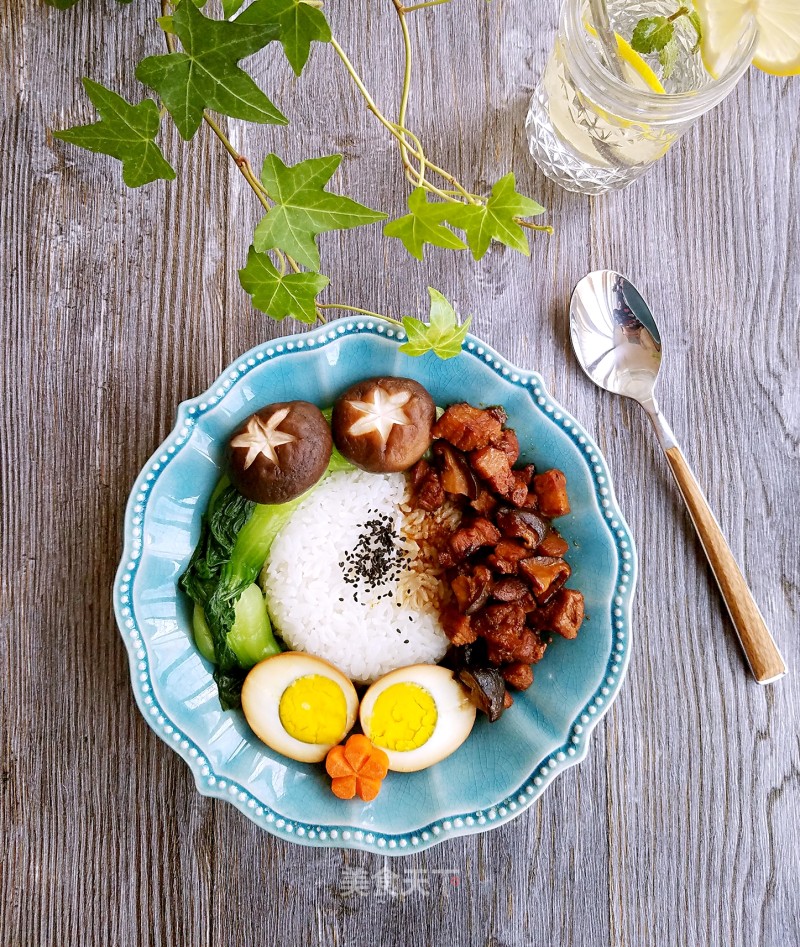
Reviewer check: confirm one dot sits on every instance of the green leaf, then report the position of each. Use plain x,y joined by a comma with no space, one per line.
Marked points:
442,335
494,220
125,132
694,19
229,7
423,225
206,74
652,34
668,57
293,294
299,24
303,208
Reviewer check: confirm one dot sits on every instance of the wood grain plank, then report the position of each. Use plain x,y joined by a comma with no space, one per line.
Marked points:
682,824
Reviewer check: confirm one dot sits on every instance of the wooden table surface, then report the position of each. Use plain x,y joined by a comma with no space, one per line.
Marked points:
681,827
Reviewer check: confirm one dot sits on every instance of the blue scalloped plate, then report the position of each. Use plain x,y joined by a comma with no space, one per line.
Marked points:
503,767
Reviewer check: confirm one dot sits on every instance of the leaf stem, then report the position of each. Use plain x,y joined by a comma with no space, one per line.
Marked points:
531,226
423,6
363,312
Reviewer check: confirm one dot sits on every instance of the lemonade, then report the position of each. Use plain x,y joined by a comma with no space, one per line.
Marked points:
590,131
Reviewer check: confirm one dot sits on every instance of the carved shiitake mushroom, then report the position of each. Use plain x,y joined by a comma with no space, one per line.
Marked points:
280,452
383,425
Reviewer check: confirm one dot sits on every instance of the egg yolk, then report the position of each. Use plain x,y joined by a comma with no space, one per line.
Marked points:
404,717
313,709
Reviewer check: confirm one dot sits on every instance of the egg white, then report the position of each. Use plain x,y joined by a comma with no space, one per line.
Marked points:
261,695
455,715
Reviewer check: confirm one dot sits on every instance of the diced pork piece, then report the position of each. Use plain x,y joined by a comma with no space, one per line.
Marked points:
430,493
508,700
545,574
525,473
531,647
472,589
509,445
550,488
418,471
502,626
522,524
510,590
563,614
493,466
518,494
457,627
552,545
506,555
499,412
518,675
446,560
468,428
467,539
484,503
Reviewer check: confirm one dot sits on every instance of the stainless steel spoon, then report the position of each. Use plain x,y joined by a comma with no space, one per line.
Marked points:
619,347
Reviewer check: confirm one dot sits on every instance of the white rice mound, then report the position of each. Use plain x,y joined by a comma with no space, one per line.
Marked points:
366,626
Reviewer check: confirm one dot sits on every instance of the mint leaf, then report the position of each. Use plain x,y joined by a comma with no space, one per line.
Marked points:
694,19
423,225
298,23
494,220
442,335
668,57
292,294
125,132
206,74
303,208
652,34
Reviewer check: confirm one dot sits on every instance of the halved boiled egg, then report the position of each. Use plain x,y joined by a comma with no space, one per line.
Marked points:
418,715
299,705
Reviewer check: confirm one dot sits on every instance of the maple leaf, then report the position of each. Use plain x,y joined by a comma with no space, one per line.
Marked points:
299,24
442,335
206,74
494,220
292,294
125,132
303,208
423,225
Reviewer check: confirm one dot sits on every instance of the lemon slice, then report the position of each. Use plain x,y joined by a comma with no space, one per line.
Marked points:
778,22
637,72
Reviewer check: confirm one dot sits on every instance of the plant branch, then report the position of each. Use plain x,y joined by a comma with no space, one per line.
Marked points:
423,6
363,312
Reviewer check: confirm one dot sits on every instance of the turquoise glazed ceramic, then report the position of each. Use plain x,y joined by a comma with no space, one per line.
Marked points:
503,767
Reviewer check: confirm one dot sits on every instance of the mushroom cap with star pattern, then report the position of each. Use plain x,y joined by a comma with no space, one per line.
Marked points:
383,425
280,452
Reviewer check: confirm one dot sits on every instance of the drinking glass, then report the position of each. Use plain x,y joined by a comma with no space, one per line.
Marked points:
592,132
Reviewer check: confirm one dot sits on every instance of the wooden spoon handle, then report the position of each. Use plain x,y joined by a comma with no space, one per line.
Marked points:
762,653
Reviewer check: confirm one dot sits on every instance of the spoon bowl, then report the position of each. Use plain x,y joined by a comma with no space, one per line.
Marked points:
618,345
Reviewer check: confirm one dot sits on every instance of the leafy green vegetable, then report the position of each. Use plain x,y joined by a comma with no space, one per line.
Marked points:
495,220
423,225
442,335
202,633
290,294
235,538
125,132
303,208
652,33
299,23
207,73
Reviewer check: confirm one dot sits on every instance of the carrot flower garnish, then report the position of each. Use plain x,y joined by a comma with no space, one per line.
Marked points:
356,767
